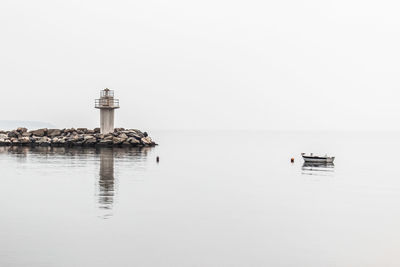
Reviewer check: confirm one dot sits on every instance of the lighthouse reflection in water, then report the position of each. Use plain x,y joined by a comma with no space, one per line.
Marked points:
107,183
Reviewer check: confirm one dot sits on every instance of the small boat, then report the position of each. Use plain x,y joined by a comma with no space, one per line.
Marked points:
317,159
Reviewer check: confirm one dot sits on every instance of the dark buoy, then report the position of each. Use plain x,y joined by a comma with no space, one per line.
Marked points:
292,160
158,159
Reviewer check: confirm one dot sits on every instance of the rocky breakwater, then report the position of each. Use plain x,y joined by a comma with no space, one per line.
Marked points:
75,137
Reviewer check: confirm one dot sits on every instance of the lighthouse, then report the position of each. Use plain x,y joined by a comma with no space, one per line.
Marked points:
107,104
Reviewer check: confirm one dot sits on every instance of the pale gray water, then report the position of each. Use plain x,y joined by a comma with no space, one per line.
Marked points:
215,199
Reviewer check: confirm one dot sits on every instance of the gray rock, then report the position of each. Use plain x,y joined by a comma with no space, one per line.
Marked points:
123,136
88,136
82,130
13,134
91,141
39,132
24,140
133,141
108,137
44,139
98,136
117,141
26,134
53,132
147,141
22,130
135,135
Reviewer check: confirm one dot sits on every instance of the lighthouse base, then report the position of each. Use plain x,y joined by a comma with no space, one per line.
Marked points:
106,121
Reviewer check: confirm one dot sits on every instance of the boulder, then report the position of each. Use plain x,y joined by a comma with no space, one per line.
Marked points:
123,136
69,130
133,141
24,140
135,135
22,130
88,136
39,132
91,141
26,134
53,132
117,141
147,141
108,137
13,134
44,139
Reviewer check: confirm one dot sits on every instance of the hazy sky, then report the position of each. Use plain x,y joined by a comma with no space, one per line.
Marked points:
206,64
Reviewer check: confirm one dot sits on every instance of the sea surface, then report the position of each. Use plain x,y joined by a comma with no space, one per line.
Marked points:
214,199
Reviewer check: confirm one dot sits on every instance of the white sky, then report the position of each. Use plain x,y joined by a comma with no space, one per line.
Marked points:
210,64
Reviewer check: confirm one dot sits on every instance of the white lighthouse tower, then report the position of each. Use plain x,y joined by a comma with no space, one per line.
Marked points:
107,104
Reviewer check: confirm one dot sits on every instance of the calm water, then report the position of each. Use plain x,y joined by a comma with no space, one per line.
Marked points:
215,199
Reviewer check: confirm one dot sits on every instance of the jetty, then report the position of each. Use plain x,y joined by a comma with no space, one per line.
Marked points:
83,137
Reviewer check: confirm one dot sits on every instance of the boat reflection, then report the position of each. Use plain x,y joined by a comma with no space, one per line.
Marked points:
319,169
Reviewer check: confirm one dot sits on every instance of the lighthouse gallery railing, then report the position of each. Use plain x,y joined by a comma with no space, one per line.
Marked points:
106,103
